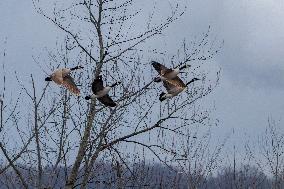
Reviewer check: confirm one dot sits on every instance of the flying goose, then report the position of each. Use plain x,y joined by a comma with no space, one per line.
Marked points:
62,77
101,93
174,87
166,73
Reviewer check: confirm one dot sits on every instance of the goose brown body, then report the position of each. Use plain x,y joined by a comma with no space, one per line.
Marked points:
62,77
174,87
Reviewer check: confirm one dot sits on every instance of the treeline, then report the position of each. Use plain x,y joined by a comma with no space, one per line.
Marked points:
155,176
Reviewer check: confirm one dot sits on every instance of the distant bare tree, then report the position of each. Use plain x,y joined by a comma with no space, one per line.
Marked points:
243,177
59,130
200,158
270,152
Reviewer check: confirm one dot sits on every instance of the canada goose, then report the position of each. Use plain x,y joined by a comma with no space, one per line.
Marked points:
101,93
174,87
62,77
166,73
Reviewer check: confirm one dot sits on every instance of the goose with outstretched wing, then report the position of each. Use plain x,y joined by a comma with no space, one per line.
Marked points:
62,77
174,87
166,73
101,93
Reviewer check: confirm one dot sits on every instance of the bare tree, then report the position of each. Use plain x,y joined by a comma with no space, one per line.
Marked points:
199,158
65,131
271,152
245,176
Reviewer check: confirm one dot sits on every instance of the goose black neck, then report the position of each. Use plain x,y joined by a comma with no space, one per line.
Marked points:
76,68
191,81
116,83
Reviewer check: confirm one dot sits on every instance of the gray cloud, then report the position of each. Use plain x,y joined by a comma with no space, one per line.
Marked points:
254,38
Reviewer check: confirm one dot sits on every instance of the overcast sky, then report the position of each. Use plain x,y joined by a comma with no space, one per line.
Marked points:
252,80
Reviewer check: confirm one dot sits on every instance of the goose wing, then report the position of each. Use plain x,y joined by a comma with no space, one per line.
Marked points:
106,100
69,83
97,85
161,69
173,85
